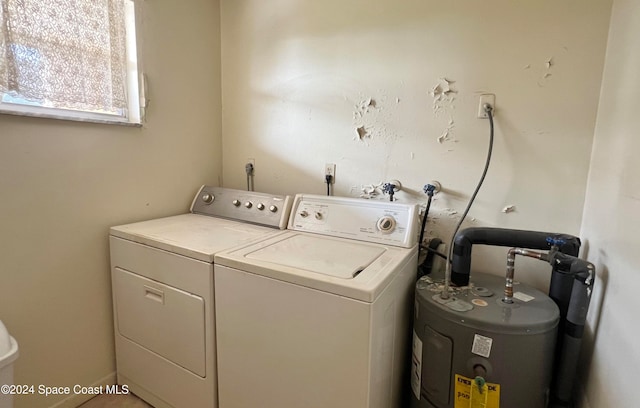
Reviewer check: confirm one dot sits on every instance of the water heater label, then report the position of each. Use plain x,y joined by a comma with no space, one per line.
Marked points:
468,397
523,296
416,365
482,345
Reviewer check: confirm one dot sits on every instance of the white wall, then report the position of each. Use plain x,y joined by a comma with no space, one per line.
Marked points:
64,183
294,73
611,223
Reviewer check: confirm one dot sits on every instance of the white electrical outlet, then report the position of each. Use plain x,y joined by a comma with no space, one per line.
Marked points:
484,99
251,163
330,170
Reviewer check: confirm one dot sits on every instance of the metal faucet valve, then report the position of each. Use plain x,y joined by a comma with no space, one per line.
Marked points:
390,189
429,189
556,242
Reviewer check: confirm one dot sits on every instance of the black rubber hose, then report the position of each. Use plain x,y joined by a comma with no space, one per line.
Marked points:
424,222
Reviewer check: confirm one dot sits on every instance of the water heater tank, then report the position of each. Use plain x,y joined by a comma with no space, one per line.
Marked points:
474,350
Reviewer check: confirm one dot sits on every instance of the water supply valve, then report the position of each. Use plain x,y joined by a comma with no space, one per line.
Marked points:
432,188
556,242
391,188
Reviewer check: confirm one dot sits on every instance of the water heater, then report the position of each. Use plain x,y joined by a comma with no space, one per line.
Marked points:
492,342
474,335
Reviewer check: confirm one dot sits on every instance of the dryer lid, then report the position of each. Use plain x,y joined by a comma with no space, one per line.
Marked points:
192,235
320,255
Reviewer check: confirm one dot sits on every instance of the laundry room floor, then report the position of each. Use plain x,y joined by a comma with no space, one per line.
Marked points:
115,401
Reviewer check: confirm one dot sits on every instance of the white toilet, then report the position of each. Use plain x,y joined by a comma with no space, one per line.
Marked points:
8,354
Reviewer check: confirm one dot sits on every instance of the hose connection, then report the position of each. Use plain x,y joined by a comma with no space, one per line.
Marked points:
391,188
429,189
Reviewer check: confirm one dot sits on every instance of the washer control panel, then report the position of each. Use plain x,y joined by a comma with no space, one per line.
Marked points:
249,206
372,221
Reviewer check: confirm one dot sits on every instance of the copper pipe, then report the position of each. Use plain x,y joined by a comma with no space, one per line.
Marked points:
511,260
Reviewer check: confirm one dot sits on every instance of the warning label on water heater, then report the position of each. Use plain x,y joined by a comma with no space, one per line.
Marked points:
481,345
467,394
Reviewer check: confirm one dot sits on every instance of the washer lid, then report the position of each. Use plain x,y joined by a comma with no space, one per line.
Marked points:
192,235
320,262
320,255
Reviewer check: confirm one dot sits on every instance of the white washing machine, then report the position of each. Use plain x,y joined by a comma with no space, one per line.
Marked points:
319,316
163,292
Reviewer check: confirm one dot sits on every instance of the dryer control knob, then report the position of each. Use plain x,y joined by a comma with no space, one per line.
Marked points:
318,216
304,214
386,224
260,206
248,204
236,203
208,198
273,208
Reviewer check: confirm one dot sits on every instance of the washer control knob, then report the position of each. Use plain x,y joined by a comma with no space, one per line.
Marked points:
304,214
260,206
248,204
386,224
273,208
208,198
318,216
236,203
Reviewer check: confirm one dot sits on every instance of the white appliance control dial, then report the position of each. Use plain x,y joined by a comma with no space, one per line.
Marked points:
304,214
236,203
273,208
208,198
248,204
386,224
260,206
318,215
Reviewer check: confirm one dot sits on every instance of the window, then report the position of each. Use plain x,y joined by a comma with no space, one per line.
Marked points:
69,59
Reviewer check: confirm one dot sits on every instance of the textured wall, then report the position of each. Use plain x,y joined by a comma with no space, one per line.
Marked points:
64,183
299,79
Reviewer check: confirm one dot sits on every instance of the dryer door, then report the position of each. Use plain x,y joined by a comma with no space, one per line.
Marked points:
161,318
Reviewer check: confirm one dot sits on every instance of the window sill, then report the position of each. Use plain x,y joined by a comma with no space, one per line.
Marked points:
73,116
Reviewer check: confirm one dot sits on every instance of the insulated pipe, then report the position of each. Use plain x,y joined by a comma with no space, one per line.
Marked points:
465,239
582,273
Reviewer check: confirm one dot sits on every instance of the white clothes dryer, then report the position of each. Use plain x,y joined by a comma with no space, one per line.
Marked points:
163,292
320,315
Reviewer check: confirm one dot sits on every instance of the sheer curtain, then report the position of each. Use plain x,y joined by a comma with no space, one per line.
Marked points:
66,54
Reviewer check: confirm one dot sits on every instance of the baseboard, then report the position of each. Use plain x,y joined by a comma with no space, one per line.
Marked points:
74,401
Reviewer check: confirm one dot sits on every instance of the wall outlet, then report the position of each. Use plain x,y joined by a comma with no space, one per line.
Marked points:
330,170
250,164
491,100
